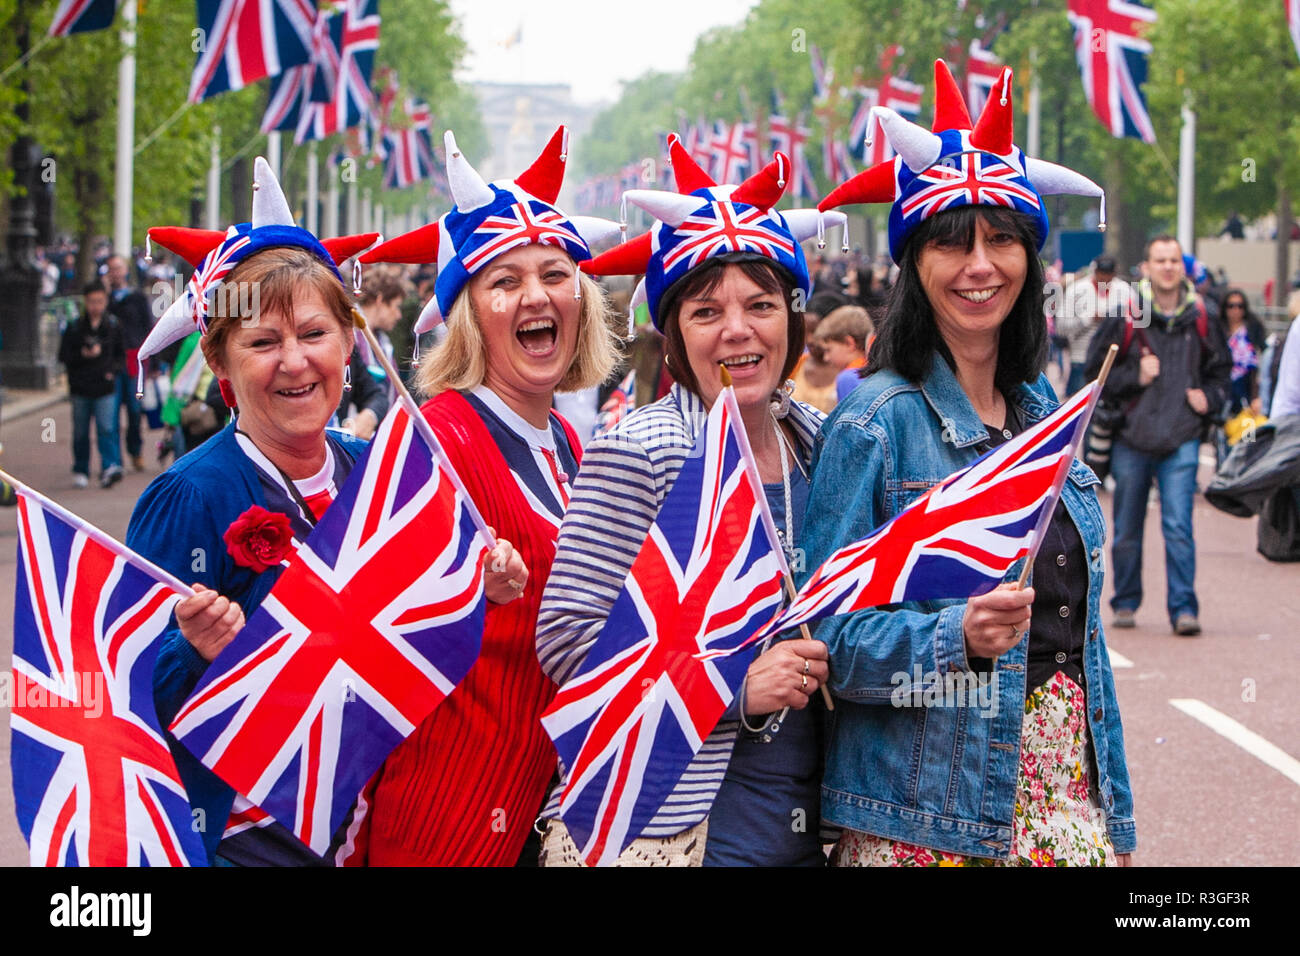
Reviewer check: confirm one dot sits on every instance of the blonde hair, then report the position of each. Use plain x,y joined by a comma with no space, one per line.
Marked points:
848,321
459,361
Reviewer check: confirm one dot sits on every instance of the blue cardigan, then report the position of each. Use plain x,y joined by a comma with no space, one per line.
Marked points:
178,524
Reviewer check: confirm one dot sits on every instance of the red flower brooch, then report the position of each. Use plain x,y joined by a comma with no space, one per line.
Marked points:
259,539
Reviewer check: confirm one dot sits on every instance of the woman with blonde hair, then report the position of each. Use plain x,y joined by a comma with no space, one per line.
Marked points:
521,324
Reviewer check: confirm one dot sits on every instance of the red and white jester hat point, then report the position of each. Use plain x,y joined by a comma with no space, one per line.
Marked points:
703,219
957,163
488,219
214,254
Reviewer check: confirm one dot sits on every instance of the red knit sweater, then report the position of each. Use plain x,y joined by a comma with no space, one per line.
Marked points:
465,787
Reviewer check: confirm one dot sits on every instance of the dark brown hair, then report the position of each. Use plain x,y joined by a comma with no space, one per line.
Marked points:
764,273
907,336
379,285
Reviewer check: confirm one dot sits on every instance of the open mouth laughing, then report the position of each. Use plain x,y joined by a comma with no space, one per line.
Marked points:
537,336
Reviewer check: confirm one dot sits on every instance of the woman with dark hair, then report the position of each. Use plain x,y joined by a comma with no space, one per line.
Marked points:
1246,342
956,368
731,306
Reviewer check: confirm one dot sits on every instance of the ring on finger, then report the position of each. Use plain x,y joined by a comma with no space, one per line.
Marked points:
804,685
1015,632
807,665
515,584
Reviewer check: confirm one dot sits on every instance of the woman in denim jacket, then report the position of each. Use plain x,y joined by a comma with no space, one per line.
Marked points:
981,730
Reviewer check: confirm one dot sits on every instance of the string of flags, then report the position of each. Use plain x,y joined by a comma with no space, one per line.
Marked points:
319,59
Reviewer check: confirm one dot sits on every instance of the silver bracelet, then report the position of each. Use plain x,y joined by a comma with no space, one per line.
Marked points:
743,722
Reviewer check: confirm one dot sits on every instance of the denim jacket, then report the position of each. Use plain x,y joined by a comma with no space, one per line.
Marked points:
943,777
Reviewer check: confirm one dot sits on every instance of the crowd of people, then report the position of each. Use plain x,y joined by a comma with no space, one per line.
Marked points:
892,376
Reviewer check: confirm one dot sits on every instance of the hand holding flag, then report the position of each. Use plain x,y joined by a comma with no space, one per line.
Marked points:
661,674
960,537
376,620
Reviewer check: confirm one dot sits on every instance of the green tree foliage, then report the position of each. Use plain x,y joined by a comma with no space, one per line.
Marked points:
73,107
1235,60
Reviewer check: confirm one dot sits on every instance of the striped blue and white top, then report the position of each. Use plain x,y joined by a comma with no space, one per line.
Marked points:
620,487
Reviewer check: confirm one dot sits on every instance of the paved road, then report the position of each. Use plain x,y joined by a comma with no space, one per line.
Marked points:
1216,776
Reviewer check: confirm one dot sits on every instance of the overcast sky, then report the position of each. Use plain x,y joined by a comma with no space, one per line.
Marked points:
592,46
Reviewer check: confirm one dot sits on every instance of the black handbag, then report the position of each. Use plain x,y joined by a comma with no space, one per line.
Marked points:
1278,536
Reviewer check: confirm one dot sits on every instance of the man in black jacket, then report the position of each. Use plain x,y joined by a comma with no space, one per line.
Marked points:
1175,369
130,307
93,353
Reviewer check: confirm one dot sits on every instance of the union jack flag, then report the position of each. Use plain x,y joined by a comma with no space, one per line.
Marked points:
698,143
519,224
94,782
1113,61
246,40
409,156
967,178
355,645
962,535
83,16
620,402
730,151
835,159
823,75
726,227
982,70
661,674
789,137
901,96
333,90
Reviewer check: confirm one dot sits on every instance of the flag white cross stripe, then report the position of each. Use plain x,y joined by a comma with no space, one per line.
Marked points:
967,178
725,227
519,225
959,537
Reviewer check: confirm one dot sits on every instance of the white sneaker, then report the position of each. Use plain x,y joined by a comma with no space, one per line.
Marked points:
80,481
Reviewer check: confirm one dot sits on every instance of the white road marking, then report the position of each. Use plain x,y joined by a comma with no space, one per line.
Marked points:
1117,659
1246,739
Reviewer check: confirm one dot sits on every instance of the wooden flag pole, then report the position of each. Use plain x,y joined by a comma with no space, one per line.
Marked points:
789,582
1083,431
102,538
421,425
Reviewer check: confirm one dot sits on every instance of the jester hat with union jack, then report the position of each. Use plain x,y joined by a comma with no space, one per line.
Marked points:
214,253
956,164
488,219
703,220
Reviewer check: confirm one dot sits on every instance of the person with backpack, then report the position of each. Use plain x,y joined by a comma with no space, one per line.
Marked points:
1172,373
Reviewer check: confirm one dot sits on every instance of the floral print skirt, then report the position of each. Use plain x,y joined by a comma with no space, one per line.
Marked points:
1058,821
